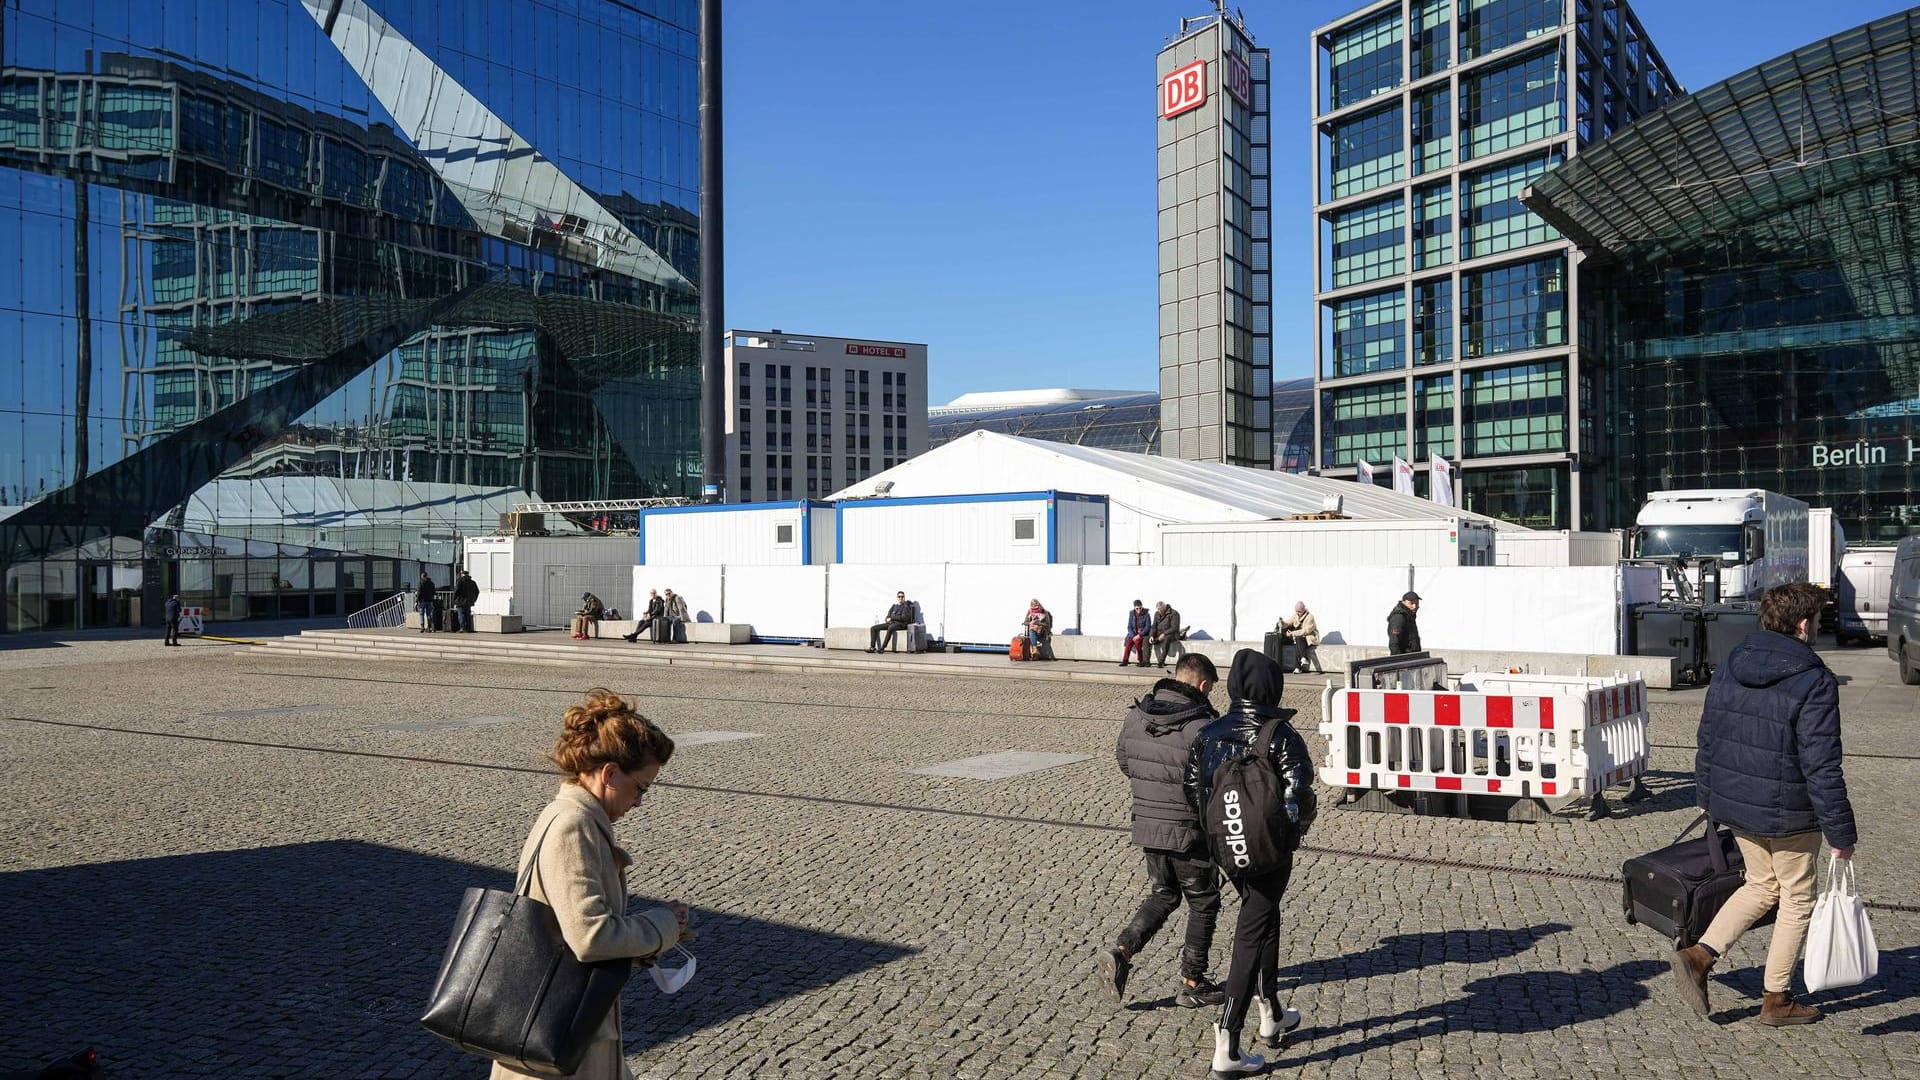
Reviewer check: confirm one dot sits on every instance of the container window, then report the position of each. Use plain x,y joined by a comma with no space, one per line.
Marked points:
1025,530
783,535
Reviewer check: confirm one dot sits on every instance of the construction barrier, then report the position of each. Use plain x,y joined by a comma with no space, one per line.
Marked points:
1549,737
193,620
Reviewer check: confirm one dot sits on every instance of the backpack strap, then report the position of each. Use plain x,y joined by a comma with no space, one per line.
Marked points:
1263,739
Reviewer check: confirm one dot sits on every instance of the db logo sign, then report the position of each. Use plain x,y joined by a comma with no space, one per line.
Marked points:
1184,89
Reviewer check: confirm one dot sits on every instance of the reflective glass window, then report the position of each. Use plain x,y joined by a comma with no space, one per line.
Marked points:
1493,219
1432,130
1515,307
1433,416
1512,104
1520,409
1365,59
1433,321
1432,36
1368,333
1432,225
1365,152
1489,25
1363,423
1369,242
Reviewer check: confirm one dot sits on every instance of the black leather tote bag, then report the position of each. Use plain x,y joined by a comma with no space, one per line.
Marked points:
510,989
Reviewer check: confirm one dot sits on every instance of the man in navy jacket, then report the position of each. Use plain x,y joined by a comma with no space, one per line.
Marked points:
1769,767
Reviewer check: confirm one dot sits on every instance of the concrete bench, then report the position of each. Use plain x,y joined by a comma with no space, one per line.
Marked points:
720,633
913,638
498,624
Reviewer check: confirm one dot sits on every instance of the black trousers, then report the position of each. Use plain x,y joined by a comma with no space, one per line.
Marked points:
891,629
1256,944
1171,876
173,630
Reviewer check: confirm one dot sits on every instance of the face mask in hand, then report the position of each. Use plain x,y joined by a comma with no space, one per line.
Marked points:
673,980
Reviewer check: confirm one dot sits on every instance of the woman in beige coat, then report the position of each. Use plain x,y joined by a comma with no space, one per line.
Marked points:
611,755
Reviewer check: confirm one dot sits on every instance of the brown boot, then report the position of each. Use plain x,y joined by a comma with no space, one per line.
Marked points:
1778,1009
1690,966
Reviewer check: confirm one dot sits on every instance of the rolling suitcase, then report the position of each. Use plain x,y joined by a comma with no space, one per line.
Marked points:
1275,646
1678,889
1017,650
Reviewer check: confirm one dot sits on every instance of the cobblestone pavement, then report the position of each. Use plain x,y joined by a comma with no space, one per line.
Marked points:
210,906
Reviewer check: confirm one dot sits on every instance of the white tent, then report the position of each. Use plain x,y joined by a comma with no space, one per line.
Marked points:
1143,491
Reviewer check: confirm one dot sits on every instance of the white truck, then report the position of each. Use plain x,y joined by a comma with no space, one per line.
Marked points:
1826,545
1758,537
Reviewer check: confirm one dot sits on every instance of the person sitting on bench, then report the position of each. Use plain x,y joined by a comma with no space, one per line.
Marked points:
899,617
656,607
588,616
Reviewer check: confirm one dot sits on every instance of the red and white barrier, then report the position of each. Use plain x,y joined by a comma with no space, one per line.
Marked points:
193,620
1546,737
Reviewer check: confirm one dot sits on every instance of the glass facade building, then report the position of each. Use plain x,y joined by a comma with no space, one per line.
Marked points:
1447,309
1760,325
438,256
1125,422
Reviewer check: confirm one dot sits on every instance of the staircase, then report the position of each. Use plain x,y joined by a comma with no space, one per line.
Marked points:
557,649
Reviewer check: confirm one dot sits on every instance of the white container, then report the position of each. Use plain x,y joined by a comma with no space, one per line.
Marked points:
1402,542
1556,547
541,578
1008,528
740,534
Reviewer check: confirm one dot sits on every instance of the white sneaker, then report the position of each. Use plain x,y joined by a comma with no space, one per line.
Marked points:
1275,1021
1228,1061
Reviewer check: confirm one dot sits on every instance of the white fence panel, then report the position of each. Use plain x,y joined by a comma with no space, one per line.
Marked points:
1553,609
778,601
699,585
859,595
1202,594
1350,605
986,605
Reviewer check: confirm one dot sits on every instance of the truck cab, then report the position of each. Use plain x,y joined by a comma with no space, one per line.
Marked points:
1758,538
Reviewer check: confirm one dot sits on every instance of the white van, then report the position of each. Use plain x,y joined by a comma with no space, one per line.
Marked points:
1860,594
1903,611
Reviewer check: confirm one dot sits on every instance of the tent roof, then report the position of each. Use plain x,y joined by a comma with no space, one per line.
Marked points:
986,461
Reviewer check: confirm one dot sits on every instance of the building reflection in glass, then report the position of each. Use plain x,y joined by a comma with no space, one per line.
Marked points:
210,200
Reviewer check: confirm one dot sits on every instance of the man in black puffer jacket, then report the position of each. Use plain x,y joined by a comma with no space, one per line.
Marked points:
1769,766
1154,740
1254,684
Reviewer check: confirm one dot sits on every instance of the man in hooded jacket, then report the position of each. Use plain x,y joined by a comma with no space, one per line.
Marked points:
1154,742
1769,766
1254,686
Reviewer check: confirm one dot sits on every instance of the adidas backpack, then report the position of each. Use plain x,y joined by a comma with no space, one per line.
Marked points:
1246,818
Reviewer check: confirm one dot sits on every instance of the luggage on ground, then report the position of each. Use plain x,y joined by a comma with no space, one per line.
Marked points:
1678,889
1017,650
1275,646
662,630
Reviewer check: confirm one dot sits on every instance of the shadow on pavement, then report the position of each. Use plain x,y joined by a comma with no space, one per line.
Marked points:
1897,982
1510,1004
1400,953
315,959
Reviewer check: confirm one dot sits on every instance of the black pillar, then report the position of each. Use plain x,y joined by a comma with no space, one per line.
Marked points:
713,370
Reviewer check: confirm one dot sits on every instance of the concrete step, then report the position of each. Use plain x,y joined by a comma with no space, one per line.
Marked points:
376,645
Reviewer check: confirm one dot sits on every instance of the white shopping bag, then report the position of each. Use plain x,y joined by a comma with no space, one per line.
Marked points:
1840,946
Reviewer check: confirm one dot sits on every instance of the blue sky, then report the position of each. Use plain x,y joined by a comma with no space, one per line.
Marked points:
979,176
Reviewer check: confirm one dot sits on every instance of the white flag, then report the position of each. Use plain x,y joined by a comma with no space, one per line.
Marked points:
1440,480
1363,472
1402,476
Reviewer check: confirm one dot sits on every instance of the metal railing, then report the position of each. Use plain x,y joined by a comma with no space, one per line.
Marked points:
387,613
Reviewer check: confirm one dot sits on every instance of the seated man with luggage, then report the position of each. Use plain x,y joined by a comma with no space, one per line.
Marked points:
656,607
1304,633
670,627
899,617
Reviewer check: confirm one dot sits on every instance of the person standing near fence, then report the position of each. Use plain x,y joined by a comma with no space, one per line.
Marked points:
1403,625
1154,741
465,592
173,619
1768,765
423,593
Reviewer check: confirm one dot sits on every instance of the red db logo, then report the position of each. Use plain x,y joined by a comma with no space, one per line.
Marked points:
1185,89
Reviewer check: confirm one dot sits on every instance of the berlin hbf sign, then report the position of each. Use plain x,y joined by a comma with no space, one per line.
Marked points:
1861,453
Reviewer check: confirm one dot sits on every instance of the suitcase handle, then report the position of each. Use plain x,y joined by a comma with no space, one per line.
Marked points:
1715,851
